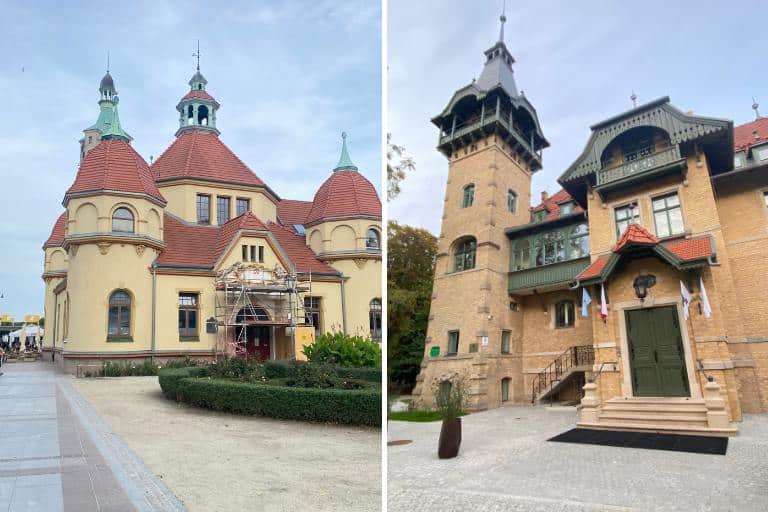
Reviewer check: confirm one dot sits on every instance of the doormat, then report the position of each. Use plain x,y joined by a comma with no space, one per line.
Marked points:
650,441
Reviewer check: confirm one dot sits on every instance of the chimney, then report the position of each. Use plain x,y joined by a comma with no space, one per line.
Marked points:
544,196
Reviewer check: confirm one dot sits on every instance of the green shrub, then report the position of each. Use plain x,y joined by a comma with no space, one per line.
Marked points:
357,407
170,378
187,362
237,368
343,350
284,370
144,369
312,376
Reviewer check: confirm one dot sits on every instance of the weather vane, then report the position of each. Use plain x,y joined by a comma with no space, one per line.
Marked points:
755,107
634,99
197,54
107,61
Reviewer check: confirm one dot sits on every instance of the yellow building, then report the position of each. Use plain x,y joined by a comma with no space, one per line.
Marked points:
195,255
637,290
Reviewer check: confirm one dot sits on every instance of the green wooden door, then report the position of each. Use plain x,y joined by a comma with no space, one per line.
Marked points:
656,352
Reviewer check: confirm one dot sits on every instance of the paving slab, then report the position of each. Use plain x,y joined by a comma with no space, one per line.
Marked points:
56,454
506,463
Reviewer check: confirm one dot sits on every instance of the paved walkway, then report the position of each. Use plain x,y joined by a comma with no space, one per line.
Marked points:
57,455
506,464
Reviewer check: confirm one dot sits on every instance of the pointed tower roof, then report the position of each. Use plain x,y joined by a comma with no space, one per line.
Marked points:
345,162
108,122
498,66
107,84
114,166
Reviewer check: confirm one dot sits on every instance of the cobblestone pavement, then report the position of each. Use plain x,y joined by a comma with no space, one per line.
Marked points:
57,455
506,464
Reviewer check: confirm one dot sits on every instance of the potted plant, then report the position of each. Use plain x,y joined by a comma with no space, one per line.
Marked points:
450,402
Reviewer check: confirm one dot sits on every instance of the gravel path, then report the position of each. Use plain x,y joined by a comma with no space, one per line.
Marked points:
218,462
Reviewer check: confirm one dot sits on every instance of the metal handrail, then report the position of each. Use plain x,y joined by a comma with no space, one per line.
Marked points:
579,355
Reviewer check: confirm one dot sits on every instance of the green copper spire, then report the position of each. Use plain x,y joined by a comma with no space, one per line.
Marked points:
110,123
345,163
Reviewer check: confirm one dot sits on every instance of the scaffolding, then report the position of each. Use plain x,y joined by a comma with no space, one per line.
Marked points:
250,295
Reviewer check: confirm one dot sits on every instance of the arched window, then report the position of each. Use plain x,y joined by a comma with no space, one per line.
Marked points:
372,239
190,115
565,314
202,115
468,196
119,314
464,255
374,316
505,389
122,220
511,201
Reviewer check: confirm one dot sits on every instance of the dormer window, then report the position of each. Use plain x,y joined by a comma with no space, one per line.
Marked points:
539,215
566,208
738,160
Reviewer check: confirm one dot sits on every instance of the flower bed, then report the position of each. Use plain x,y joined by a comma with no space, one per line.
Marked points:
329,405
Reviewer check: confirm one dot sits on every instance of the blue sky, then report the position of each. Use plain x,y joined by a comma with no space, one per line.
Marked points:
578,63
290,76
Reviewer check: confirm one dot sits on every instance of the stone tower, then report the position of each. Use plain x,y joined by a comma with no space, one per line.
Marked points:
490,134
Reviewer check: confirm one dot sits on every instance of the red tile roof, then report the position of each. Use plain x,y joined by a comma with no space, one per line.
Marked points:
345,194
751,133
691,249
188,245
198,94
201,154
635,234
296,248
594,269
227,232
552,205
57,233
290,212
114,165
191,245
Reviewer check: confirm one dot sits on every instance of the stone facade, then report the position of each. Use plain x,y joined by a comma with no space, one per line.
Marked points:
716,234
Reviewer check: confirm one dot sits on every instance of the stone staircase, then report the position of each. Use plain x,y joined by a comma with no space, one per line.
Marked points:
573,363
705,417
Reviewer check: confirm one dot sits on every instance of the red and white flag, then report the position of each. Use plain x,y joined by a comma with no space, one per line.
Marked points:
603,304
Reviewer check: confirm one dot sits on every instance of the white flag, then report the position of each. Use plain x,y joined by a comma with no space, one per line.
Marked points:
686,296
586,300
603,304
704,299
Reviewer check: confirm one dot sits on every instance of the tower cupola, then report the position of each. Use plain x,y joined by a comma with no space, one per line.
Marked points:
108,123
197,109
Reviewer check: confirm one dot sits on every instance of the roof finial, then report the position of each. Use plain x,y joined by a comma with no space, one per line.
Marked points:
755,107
503,20
345,163
197,54
634,99
107,61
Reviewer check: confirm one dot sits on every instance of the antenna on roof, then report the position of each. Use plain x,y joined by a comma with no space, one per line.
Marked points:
197,54
634,99
755,106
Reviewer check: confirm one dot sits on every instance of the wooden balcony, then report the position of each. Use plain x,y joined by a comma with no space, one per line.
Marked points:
655,163
546,277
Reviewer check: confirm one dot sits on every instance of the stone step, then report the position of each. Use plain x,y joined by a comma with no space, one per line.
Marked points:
691,430
661,419
655,401
652,408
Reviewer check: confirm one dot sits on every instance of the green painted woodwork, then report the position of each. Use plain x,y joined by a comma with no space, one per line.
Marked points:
563,243
678,126
656,352
547,275
345,162
434,351
638,168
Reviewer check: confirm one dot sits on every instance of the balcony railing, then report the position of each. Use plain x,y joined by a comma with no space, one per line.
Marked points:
639,166
536,277
477,123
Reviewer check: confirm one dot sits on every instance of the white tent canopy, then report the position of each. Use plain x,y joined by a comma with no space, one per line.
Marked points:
31,330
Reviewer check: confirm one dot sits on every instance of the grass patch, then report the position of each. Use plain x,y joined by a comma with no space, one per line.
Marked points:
418,416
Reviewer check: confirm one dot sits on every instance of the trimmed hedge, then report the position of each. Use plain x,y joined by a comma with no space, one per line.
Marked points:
170,378
282,370
356,407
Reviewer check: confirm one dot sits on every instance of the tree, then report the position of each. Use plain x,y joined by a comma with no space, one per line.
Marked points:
410,267
398,165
